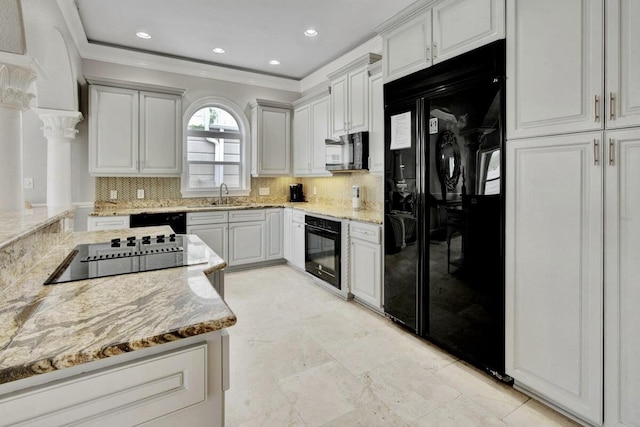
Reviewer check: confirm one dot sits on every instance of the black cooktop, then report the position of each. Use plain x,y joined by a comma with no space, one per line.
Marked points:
130,255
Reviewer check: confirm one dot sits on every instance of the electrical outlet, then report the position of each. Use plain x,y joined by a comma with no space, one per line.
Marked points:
263,191
314,190
114,194
140,193
28,183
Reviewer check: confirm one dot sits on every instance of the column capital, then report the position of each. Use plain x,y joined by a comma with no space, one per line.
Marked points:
59,123
15,82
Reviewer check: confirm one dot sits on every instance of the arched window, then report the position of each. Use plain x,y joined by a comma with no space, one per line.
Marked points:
215,146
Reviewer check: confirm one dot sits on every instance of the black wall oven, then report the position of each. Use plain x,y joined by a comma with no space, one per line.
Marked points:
322,249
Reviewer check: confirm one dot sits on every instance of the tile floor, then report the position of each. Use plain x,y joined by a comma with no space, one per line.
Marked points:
301,356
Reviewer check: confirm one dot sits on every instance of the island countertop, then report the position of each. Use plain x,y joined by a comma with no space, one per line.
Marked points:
48,328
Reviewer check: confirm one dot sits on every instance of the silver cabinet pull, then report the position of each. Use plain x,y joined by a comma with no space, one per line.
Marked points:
612,106
428,53
596,156
611,152
596,106
435,50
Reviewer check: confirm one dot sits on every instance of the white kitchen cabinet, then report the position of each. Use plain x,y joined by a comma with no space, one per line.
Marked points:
160,134
554,67
463,25
310,130
554,270
622,270
274,228
177,383
247,236
366,263
213,228
133,132
114,222
297,238
426,33
376,120
622,88
271,138
350,97
287,230
406,44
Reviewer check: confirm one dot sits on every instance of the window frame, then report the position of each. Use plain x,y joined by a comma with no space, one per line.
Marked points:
245,148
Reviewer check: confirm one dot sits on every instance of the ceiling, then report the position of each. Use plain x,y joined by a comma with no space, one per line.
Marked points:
252,32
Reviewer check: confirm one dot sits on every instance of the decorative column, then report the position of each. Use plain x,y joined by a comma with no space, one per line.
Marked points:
59,129
14,99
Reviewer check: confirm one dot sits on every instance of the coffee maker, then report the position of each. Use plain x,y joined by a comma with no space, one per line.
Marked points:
295,193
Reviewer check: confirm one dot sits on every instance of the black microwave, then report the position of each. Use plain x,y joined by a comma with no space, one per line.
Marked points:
349,152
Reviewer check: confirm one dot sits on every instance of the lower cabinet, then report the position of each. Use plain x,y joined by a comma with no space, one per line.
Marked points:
114,222
275,238
247,236
366,263
554,270
212,228
297,240
177,386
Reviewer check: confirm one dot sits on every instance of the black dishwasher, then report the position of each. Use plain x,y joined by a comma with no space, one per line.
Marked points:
177,220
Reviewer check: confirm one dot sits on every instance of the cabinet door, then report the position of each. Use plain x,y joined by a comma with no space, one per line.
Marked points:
623,63
376,125
301,134
339,106
366,272
554,67
214,235
553,268
320,132
113,131
358,101
287,232
246,242
274,237
407,48
160,134
297,246
622,289
462,25
274,141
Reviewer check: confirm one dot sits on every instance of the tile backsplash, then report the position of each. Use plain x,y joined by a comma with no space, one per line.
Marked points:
335,189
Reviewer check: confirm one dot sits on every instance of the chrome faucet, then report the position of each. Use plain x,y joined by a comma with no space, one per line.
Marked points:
226,192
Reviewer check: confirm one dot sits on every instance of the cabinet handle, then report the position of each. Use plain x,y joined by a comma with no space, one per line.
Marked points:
612,106
596,156
435,50
596,107
428,53
611,152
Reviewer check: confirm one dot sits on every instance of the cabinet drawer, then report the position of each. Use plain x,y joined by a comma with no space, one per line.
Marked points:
366,232
213,217
128,394
96,223
247,215
297,216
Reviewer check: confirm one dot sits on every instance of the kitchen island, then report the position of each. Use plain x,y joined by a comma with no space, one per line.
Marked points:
123,349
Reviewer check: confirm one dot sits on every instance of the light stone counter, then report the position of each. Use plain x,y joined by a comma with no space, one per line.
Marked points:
312,208
16,225
48,328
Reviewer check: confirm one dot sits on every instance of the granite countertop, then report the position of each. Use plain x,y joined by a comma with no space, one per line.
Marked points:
16,225
47,328
317,208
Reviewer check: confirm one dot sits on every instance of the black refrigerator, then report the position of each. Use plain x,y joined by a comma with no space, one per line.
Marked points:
444,205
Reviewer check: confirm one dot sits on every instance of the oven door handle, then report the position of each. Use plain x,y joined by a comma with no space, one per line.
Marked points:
313,228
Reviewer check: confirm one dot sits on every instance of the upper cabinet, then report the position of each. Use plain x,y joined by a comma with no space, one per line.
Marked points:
426,33
134,132
350,96
270,138
556,80
310,129
376,120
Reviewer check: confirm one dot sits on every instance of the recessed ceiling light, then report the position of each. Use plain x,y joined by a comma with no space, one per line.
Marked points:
218,50
310,32
143,35
274,62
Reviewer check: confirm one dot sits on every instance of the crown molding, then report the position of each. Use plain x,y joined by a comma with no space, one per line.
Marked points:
404,15
102,81
114,55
